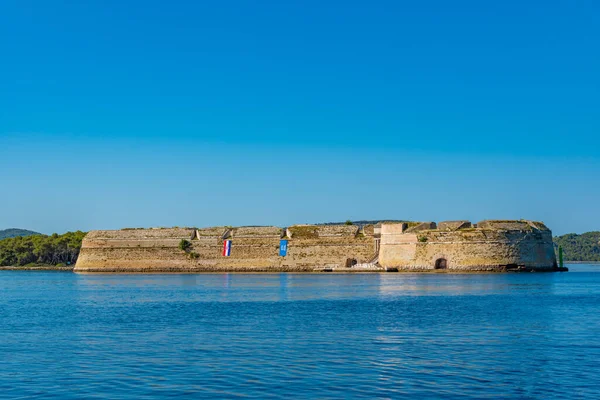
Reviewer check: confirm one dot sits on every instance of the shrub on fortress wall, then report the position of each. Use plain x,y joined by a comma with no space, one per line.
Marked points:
303,231
184,245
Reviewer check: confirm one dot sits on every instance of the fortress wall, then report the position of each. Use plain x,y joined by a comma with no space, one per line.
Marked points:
138,234
538,250
506,225
128,243
133,250
421,226
493,245
309,247
369,230
328,246
131,260
322,231
329,252
453,225
215,232
468,249
252,249
259,231
397,249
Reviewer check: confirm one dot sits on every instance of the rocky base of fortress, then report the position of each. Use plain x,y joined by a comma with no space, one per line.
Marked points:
157,268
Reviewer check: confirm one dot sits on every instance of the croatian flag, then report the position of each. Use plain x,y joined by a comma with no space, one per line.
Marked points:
227,248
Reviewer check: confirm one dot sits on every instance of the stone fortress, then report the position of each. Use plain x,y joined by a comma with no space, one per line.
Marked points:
451,246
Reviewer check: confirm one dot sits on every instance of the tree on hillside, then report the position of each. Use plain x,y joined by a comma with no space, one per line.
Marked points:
584,247
41,249
13,232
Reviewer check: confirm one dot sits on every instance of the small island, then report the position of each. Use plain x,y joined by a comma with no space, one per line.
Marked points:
450,246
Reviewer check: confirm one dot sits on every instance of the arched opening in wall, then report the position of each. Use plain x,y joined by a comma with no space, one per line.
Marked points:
351,262
441,263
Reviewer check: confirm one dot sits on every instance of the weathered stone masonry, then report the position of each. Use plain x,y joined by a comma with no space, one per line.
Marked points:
448,246
490,246
253,249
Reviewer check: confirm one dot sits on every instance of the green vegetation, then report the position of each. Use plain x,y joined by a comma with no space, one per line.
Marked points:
305,232
11,233
584,247
41,249
348,222
185,245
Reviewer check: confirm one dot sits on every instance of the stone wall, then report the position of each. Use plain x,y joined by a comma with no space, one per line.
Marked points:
331,246
492,246
253,249
452,245
134,250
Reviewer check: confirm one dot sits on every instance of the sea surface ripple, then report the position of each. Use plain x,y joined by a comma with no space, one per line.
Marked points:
512,336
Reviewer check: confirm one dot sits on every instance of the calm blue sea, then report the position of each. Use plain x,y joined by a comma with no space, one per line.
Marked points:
519,336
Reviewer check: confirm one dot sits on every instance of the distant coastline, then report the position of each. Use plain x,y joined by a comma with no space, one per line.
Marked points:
22,249
583,262
44,267
584,247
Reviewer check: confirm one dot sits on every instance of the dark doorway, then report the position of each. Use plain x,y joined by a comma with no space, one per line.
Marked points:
351,262
441,263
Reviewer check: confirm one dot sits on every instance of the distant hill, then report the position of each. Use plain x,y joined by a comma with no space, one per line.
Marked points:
13,232
584,247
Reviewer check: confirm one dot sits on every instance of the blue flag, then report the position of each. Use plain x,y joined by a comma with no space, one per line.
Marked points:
283,244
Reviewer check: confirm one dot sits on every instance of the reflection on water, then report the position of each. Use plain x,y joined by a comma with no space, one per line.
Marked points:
527,335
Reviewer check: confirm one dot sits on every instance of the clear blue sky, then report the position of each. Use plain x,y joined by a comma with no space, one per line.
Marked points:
151,113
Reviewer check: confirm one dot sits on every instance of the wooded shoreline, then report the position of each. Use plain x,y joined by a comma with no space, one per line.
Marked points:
47,267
